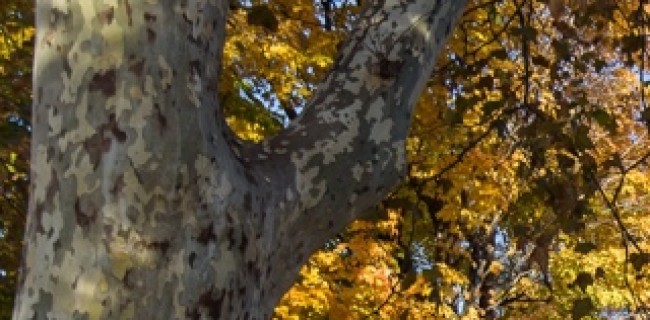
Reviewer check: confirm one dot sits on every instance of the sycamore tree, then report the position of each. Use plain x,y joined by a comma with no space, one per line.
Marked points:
525,193
145,205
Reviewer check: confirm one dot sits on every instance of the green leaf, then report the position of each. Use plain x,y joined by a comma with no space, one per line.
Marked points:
605,120
502,128
463,103
583,280
432,275
344,282
599,65
614,162
632,43
491,106
562,48
541,61
582,140
485,82
409,279
581,308
445,184
452,117
584,247
565,161
645,116
500,54
262,16
528,32
638,260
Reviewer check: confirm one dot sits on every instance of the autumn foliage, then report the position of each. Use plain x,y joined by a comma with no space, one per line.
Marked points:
528,189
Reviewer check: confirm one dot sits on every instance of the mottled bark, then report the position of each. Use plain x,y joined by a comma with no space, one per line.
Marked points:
145,206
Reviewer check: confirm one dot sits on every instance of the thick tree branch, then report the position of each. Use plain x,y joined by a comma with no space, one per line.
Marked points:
346,151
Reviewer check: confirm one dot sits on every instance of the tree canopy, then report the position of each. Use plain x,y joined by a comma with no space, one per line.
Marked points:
527,189
16,34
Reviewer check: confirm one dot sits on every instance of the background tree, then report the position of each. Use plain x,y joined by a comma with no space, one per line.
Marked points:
16,32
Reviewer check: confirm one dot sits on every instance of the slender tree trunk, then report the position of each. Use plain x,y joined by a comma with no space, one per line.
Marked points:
144,205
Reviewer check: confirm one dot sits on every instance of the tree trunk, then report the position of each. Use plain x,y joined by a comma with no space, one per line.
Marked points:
145,206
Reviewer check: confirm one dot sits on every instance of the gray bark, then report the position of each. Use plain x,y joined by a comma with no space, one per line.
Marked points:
145,206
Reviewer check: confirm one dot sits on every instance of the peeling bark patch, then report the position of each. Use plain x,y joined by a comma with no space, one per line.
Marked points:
119,134
162,120
104,82
95,146
150,17
191,259
38,211
79,315
195,66
50,153
161,246
249,176
231,238
129,12
211,302
51,190
195,41
206,235
137,68
118,185
357,172
250,267
248,201
67,68
44,305
151,35
389,69
244,243
381,131
106,16
126,281
166,73
84,219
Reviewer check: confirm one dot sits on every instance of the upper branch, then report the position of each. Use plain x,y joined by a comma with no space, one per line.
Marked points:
346,151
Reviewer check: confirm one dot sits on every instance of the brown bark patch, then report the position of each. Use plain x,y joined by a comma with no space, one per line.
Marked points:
106,16
150,17
137,68
50,193
162,120
95,146
129,12
151,35
104,82
206,235
211,301
119,134
83,217
161,246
